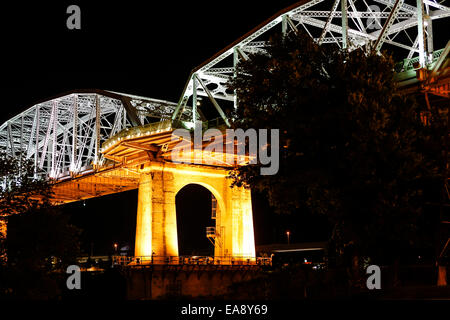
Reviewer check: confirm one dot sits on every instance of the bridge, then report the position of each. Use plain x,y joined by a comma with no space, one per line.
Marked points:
92,143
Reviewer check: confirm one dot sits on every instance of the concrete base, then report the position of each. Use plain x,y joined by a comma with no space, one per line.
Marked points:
159,282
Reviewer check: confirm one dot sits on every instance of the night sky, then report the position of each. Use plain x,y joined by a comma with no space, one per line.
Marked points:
138,47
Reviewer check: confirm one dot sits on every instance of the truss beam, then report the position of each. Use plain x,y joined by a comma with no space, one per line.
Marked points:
64,135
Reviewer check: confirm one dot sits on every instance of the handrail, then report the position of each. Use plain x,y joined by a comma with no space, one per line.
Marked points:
408,64
190,260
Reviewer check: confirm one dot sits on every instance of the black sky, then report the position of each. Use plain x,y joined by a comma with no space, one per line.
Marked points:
139,47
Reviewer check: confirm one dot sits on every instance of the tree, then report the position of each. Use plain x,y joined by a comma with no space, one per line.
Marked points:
21,187
352,146
41,243
20,191
40,240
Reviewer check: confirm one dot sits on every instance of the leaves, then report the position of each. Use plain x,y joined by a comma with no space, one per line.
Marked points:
356,149
20,187
39,239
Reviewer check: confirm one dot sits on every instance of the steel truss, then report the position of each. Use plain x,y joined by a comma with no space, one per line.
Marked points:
350,24
64,135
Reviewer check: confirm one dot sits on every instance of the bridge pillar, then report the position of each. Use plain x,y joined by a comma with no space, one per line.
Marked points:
156,228
156,225
143,244
234,218
243,243
165,240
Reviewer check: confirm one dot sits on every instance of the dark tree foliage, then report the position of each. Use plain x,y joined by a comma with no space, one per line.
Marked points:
352,147
20,188
20,191
40,241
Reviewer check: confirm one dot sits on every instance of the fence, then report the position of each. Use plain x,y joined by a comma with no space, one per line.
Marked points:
190,260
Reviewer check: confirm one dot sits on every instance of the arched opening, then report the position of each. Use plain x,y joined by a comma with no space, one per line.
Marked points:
195,213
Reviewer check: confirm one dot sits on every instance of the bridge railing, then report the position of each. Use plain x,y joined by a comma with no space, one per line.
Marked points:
408,64
189,260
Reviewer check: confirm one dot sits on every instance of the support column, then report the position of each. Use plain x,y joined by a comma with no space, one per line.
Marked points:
143,244
344,24
164,226
421,34
156,225
243,236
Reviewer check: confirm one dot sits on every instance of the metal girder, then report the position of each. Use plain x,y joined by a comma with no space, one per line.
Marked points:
421,33
64,136
440,60
73,159
411,52
358,19
390,20
344,24
291,24
11,140
131,112
404,6
36,153
241,53
435,4
327,23
214,102
97,130
47,137
353,14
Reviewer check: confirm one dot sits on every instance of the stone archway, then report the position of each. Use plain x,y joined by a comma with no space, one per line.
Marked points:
156,229
217,235
195,220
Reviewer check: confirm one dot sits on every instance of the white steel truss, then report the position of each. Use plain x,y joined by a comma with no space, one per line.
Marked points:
351,24
64,135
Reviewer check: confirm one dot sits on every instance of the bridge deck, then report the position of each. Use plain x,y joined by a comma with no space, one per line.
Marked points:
133,148
99,183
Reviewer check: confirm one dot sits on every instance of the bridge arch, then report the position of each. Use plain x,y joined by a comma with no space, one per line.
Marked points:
214,231
156,228
197,210
210,187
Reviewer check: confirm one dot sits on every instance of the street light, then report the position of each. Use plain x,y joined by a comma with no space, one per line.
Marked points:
288,233
115,247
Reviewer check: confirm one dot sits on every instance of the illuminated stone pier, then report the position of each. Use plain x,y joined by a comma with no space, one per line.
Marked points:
156,228
3,228
146,154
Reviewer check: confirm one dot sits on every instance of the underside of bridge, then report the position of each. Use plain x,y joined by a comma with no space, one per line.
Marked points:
147,152
141,158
